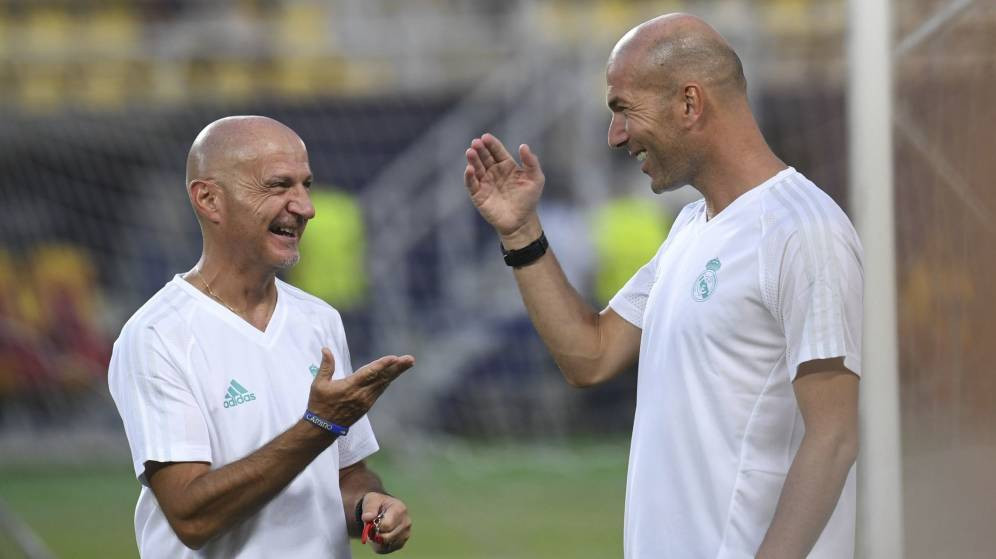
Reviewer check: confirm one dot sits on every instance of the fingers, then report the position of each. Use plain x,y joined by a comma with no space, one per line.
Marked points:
327,368
485,152
496,150
394,527
474,171
475,163
529,160
383,370
394,539
470,179
479,158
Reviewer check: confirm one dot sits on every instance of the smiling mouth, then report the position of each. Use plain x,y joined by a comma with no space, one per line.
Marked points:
642,156
284,232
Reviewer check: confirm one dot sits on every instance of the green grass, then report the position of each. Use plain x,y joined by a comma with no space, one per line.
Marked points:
78,512
468,502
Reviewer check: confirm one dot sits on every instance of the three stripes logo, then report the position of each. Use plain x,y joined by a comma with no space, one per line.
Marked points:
237,394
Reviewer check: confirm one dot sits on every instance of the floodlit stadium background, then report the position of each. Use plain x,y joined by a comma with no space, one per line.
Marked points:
99,101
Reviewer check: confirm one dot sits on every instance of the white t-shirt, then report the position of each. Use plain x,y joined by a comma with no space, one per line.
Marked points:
193,382
729,308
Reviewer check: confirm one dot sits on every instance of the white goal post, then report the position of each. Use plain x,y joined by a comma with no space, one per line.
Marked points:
870,156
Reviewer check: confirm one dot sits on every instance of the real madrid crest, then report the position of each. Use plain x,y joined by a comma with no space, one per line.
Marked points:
705,284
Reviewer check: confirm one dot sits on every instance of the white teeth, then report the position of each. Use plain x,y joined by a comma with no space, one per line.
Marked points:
642,156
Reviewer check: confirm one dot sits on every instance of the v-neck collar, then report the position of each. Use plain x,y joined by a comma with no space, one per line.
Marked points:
742,200
263,337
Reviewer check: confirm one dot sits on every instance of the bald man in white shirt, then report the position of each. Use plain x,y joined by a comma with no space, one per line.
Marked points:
246,422
746,323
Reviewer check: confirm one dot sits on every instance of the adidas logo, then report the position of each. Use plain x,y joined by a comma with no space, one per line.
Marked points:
237,394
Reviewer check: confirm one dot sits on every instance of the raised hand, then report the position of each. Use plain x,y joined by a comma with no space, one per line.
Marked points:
504,192
343,401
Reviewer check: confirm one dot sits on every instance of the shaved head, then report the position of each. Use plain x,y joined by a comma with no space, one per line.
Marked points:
674,48
248,181
226,144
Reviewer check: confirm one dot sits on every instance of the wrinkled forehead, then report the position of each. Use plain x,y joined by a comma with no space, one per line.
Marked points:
270,141
244,146
626,74
636,58
269,152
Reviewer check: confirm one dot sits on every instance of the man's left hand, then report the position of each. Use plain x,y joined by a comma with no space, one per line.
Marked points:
395,526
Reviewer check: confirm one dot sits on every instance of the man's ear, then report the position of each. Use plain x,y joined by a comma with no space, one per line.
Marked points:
205,197
694,103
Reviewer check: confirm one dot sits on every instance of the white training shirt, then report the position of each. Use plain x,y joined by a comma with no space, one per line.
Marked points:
194,382
729,308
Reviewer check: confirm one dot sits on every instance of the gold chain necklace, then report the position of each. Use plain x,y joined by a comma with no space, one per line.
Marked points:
215,297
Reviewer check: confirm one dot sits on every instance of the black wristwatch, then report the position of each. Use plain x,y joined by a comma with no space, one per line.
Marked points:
526,255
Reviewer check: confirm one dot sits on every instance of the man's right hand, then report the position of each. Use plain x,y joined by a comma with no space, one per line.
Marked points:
504,192
344,401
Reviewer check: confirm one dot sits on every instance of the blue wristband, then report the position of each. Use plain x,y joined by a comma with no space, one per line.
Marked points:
337,430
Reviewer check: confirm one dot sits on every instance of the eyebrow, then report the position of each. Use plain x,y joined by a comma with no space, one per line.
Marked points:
285,179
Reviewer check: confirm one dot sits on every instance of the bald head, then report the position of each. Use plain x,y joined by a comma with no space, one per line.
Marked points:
228,143
674,48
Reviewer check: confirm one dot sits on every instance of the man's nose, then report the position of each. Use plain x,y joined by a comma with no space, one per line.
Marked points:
617,132
300,203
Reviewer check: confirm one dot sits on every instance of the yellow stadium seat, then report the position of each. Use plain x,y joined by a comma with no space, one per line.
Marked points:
49,32
303,28
67,269
788,17
105,84
360,77
5,36
168,83
112,31
309,77
234,80
64,265
613,17
40,86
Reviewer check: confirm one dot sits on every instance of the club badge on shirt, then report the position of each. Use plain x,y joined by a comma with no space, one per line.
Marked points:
705,284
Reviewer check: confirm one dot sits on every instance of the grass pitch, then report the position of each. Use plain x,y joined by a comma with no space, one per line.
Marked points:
472,502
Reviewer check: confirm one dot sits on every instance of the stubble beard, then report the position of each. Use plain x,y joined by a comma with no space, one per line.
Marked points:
668,183
289,262
675,177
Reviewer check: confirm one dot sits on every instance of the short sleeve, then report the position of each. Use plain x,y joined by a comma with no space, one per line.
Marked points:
820,293
631,301
360,441
162,419
358,444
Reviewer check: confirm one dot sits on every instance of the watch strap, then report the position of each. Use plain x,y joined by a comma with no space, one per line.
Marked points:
526,255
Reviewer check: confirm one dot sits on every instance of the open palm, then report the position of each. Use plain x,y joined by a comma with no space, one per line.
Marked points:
504,192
